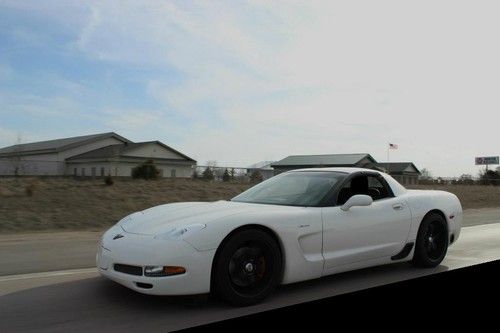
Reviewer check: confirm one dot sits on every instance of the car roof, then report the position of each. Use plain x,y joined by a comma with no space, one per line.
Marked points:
396,187
344,170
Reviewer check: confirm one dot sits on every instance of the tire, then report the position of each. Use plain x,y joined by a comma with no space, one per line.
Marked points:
432,241
247,267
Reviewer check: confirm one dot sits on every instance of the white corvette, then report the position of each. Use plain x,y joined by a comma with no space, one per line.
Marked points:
296,226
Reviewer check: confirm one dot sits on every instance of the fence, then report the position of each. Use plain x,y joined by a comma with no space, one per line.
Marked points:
235,173
460,181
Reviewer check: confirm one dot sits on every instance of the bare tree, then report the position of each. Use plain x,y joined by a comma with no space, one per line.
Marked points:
16,159
212,163
425,174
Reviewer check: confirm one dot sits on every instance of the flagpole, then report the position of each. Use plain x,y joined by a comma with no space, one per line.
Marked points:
387,164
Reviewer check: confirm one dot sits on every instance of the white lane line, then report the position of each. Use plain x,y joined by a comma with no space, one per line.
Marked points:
47,274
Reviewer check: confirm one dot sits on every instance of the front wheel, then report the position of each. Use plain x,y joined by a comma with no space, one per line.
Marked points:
247,268
432,241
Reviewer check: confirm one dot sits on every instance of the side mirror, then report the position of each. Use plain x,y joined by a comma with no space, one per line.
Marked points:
357,200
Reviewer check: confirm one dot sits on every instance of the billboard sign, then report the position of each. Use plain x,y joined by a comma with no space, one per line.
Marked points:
487,160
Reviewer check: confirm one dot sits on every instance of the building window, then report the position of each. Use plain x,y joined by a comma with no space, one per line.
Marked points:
75,172
102,172
83,171
93,172
172,173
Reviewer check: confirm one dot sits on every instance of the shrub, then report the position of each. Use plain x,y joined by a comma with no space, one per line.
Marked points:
208,174
256,176
30,190
490,177
146,170
108,180
226,176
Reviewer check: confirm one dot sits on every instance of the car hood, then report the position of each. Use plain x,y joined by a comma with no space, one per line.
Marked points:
163,218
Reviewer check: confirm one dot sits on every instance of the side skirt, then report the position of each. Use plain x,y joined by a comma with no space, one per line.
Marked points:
404,252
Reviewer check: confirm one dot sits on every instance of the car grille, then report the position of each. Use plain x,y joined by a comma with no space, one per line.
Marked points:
128,269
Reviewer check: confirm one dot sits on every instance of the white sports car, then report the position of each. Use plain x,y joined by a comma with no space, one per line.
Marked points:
296,226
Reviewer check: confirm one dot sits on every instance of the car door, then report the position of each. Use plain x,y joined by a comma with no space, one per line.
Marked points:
364,233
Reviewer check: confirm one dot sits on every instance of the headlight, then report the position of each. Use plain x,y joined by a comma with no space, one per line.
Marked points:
181,232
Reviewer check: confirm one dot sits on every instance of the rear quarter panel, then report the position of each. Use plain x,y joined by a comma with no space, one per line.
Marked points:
421,202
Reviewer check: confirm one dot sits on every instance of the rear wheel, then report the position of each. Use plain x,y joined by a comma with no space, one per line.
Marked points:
432,241
247,267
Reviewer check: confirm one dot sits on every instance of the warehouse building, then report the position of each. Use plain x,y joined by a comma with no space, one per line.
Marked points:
323,161
92,155
405,173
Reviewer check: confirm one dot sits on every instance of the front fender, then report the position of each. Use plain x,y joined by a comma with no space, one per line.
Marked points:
299,231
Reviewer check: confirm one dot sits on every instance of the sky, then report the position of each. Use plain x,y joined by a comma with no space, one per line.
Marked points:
239,82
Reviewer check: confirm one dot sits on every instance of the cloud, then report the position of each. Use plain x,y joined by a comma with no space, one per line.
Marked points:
246,81
130,120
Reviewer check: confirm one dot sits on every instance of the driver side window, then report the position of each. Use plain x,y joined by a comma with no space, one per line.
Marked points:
364,184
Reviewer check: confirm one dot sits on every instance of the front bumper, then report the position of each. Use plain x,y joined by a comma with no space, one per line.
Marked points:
144,250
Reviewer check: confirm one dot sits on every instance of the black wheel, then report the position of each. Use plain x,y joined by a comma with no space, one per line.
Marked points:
432,241
247,267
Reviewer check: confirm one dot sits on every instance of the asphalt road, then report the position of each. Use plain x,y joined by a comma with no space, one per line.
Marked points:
91,303
45,252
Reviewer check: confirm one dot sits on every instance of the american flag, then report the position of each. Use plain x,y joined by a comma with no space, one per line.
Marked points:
393,146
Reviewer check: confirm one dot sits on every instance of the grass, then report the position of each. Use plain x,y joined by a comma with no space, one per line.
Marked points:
46,204
69,204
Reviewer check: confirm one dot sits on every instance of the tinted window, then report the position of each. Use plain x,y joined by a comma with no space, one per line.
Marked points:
362,184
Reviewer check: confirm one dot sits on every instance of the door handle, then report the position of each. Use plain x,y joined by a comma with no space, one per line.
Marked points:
398,206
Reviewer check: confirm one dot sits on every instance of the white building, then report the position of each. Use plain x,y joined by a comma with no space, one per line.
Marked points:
92,155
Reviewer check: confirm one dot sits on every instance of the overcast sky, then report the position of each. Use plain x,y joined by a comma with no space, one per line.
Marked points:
240,82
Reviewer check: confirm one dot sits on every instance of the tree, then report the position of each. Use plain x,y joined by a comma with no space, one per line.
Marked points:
466,179
490,177
146,170
425,174
212,163
16,160
208,174
226,176
256,176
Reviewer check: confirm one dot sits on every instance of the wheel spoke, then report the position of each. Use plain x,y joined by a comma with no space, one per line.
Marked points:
247,266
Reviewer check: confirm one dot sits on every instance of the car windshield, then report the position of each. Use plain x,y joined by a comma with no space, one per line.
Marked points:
301,188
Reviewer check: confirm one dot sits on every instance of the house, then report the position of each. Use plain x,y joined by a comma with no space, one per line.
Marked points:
264,168
406,173
322,161
92,155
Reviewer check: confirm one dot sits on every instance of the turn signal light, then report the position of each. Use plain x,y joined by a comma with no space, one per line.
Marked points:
158,271
174,270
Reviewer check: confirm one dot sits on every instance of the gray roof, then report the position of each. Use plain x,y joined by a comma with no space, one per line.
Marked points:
398,167
57,145
120,150
327,160
265,165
